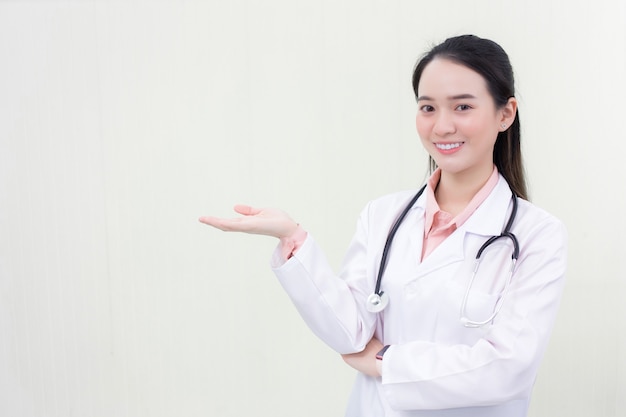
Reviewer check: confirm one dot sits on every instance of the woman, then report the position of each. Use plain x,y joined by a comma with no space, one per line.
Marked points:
449,342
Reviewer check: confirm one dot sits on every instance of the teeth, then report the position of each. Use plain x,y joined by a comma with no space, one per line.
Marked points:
447,146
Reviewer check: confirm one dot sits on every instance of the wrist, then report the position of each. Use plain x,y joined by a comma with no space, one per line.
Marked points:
381,352
379,360
293,242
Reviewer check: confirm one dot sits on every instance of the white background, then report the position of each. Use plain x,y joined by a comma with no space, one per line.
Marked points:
122,122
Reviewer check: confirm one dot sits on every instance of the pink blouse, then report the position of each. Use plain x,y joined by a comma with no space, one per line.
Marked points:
439,224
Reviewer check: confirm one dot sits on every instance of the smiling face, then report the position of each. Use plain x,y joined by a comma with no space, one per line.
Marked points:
457,119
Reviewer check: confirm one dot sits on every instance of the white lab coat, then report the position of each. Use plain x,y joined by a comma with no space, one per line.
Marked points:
436,366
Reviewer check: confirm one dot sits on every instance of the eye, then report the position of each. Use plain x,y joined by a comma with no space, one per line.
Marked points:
426,108
463,107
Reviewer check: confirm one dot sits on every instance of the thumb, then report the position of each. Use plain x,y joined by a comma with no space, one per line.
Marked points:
246,210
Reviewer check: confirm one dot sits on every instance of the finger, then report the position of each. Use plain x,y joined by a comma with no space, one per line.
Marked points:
211,221
218,222
246,210
239,224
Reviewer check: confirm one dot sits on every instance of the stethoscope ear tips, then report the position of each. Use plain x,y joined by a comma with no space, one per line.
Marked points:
377,302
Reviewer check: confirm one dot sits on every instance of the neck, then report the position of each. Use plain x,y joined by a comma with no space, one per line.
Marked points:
456,190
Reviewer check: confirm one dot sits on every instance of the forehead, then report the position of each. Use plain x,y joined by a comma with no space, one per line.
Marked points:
444,78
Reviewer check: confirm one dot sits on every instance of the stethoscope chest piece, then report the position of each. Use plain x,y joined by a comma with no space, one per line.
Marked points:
377,302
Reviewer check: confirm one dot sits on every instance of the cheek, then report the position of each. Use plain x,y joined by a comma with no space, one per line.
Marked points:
422,127
481,128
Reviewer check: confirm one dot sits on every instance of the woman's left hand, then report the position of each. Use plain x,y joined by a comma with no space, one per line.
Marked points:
365,361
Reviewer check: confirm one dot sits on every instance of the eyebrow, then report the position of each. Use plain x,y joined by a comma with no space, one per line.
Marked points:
457,97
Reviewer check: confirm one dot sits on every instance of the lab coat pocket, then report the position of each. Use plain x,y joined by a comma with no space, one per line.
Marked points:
477,290
477,307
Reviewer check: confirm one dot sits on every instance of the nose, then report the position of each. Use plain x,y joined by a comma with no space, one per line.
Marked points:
444,124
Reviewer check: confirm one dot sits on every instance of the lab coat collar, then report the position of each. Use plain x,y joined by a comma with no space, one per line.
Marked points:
490,217
487,220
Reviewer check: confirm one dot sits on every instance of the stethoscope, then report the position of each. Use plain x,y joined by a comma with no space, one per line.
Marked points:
379,299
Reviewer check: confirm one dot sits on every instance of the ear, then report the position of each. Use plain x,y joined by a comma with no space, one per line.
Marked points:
507,113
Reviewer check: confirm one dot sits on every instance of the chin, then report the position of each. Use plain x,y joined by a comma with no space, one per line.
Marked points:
450,167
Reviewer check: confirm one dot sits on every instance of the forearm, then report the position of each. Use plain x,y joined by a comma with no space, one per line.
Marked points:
366,361
328,305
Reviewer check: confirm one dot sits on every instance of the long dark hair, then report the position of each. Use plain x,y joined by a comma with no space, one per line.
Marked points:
489,60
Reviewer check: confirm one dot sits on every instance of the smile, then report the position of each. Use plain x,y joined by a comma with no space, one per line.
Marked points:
448,146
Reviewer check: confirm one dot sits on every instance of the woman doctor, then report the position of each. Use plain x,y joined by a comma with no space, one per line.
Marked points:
438,337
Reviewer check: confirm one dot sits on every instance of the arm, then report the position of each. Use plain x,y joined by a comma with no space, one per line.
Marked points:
333,306
365,361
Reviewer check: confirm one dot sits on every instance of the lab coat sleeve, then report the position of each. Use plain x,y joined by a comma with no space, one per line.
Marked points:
326,301
502,365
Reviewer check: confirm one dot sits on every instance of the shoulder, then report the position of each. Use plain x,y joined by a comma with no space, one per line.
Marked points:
530,218
535,222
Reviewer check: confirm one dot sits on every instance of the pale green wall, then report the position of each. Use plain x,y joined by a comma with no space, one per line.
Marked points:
122,122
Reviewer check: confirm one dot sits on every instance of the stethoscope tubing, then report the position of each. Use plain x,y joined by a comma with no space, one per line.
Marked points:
390,236
378,300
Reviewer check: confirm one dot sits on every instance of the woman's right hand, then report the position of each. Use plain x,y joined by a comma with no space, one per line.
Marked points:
260,221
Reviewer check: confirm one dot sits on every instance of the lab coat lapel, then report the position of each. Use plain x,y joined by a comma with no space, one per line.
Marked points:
488,220
449,251
416,232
